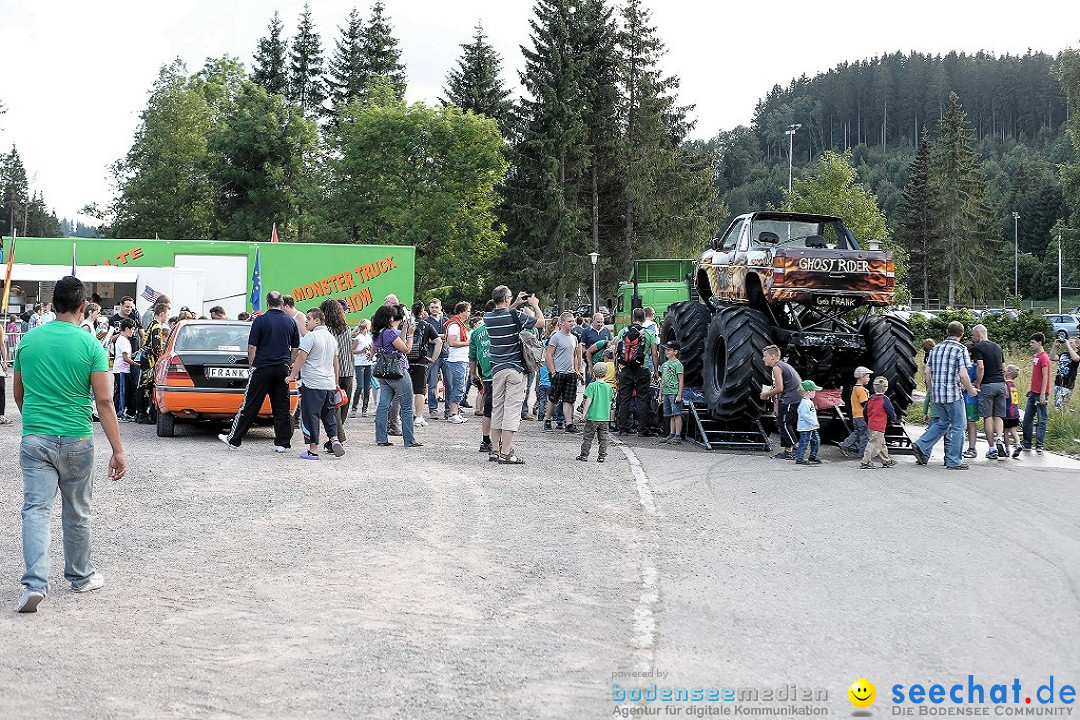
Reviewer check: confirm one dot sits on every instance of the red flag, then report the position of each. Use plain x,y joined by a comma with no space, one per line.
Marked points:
273,235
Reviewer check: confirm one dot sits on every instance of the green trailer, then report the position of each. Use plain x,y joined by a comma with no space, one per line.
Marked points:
201,274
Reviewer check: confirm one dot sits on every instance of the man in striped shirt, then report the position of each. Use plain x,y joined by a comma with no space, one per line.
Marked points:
508,376
947,380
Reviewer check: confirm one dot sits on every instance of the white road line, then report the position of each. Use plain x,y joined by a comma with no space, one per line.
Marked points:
644,639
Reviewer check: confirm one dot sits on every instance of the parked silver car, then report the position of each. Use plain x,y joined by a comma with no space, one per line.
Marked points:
1064,325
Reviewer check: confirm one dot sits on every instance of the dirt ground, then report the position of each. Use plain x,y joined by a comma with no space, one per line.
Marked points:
388,583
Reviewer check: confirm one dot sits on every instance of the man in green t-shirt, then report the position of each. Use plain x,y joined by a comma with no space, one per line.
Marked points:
596,413
480,369
671,391
56,366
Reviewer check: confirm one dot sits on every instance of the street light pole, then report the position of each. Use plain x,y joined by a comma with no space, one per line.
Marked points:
594,256
1059,273
1016,255
790,132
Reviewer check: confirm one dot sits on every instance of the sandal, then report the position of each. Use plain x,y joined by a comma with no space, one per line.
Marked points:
511,459
493,457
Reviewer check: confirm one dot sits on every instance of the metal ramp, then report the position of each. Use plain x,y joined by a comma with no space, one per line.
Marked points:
712,434
897,439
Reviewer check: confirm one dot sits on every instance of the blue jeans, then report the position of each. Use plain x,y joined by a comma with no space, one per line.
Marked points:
530,380
808,438
363,386
389,390
50,464
858,438
541,405
1034,412
456,372
433,379
119,393
951,419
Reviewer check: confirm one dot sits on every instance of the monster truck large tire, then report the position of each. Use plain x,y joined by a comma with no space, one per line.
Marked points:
733,369
890,353
688,323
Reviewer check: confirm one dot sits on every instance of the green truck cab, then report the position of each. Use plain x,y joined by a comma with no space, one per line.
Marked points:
655,283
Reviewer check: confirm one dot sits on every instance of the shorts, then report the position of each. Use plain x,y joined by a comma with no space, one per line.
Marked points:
992,400
671,407
1011,422
563,388
419,375
972,411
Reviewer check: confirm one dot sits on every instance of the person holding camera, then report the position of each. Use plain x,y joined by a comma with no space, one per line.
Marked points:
508,375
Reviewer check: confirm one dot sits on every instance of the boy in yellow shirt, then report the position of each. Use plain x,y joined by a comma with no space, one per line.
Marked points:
855,443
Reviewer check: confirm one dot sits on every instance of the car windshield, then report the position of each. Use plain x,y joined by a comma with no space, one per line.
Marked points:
210,338
797,233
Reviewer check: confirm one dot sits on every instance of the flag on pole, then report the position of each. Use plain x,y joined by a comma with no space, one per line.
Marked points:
256,284
273,234
7,277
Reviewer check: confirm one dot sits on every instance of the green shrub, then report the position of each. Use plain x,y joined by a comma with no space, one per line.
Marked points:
1003,329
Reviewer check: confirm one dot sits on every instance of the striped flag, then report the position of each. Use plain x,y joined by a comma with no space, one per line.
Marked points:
273,234
7,277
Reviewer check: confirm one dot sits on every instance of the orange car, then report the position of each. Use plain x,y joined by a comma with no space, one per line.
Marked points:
203,372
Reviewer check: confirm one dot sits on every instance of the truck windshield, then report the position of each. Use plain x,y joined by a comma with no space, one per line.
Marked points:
793,233
213,338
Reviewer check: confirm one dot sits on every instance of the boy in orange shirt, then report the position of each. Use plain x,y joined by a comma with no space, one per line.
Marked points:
856,441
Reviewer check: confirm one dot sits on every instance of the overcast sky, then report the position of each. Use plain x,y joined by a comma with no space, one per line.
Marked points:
75,75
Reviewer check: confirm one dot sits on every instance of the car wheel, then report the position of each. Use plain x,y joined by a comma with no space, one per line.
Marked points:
166,424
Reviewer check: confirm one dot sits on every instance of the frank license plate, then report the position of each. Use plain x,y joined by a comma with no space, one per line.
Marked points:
227,373
834,301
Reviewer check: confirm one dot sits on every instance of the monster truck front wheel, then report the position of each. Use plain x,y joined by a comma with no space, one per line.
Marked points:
890,353
734,370
688,323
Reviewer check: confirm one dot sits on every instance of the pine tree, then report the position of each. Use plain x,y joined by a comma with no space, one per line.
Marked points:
270,69
306,87
916,219
970,258
475,84
669,196
546,218
381,56
16,192
347,73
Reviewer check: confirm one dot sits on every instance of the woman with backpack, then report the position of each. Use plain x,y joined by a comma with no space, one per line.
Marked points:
427,344
388,340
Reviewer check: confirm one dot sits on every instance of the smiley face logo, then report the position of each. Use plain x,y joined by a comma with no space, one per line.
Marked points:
862,693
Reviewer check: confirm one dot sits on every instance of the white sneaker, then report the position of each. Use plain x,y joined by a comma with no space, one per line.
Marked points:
29,600
96,582
419,422
280,449
225,439
458,419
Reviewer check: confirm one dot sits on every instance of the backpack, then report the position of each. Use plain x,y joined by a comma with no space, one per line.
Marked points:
532,349
420,342
631,349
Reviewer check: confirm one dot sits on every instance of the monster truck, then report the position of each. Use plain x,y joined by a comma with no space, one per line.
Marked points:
799,281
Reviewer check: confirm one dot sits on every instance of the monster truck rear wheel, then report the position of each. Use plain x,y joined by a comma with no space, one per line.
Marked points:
890,353
688,323
734,370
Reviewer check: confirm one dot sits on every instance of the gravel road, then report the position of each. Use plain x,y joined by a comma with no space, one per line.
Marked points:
387,583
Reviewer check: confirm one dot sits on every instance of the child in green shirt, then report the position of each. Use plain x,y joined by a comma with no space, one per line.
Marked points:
671,392
596,413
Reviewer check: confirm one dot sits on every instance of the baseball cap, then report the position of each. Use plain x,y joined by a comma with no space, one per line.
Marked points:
674,345
863,370
881,382
808,385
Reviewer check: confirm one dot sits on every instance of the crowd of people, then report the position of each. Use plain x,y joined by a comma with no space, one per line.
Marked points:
402,362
